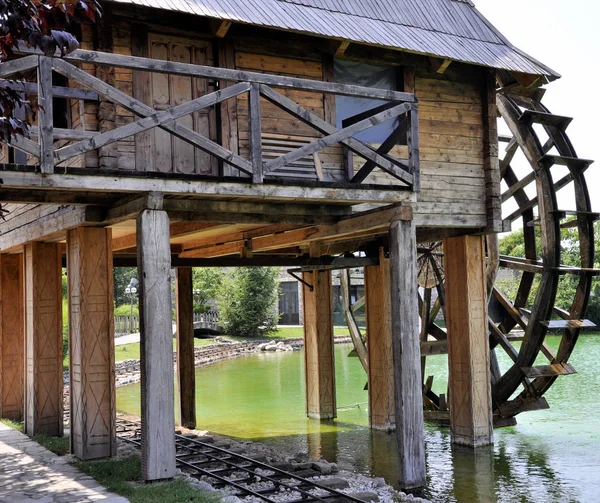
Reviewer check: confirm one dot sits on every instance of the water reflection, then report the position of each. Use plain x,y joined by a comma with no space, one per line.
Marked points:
550,456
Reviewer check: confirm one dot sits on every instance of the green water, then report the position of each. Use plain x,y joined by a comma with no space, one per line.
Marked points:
550,456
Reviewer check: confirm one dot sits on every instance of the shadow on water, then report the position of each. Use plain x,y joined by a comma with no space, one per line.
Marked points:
550,456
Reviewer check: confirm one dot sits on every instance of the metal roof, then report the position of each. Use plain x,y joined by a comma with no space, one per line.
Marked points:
452,29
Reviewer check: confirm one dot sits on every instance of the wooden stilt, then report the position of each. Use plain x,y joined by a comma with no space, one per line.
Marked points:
318,344
468,346
12,337
407,355
91,343
158,416
186,371
43,340
379,342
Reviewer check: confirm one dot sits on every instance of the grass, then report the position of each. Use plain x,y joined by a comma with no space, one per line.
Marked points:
132,351
121,476
57,445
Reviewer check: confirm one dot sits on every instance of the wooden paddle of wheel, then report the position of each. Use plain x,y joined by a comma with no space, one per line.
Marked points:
527,316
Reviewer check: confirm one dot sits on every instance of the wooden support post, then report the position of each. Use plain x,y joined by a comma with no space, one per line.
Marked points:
468,346
186,370
43,339
158,416
318,343
91,343
407,355
379,342
12,337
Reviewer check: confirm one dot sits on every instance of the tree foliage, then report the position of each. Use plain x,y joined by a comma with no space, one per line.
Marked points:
247,300
206,283
40,25
513,245
121,278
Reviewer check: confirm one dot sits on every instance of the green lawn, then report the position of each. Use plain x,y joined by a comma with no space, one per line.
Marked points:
132,351
122,476
289,333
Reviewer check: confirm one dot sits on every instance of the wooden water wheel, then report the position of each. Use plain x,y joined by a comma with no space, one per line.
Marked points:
539,161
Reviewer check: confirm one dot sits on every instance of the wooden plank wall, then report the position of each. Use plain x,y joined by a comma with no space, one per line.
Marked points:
451,127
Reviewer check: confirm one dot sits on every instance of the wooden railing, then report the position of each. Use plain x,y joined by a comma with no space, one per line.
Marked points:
399,105
131,324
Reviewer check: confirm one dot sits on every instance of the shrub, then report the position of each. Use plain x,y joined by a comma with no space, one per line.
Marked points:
246,302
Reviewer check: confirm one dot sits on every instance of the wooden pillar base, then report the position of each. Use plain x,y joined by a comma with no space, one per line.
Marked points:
158,415
468,347
12,337
91,342
407,355
186,369
379,342
43,340
318,346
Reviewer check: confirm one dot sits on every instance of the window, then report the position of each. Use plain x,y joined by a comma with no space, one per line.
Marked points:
366,75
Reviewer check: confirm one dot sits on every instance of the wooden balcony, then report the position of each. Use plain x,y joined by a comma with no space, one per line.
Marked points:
267,161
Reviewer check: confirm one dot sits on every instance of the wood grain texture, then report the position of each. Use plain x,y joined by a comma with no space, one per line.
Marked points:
186,370
407,355
43,340
91,343
12,337
158,418
318,342
468,347
379,341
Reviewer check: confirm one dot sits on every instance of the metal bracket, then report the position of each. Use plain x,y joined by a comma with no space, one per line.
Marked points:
299,278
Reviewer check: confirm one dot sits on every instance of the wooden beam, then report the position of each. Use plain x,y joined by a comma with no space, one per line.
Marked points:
186,370
319,361
342,48
255,135
17,66
131,209
91,343
158,418
220,27
119,181
468,343
43,340
439,65
379,342
51,225
408,396
186,69
12,337
58,91
45,115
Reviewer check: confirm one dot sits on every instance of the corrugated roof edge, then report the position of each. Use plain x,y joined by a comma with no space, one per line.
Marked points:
551,74
546,72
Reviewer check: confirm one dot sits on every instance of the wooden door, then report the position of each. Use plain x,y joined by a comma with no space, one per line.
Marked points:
171,154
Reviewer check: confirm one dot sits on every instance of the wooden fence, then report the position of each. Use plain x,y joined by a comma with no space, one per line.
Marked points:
131,324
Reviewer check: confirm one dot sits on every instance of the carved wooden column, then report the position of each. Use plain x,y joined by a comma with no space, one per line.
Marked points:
186,369
379,342
318,346
12,337
91,343
158,416
43,340
468,345
407,355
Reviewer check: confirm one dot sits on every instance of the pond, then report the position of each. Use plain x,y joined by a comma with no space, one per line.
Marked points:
550,456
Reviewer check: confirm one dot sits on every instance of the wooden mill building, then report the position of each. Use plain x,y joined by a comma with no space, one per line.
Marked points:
290,133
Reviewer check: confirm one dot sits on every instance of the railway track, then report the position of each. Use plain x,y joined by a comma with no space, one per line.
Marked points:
223,468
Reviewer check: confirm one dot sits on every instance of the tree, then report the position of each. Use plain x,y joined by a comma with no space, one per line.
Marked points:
121,278
513,245
206,282
247,300
43,26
